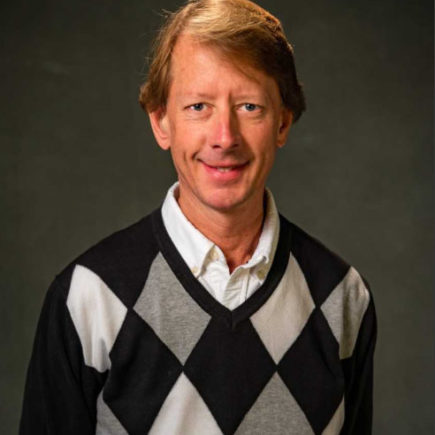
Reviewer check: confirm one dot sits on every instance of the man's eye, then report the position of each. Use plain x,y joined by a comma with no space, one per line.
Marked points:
197,107
250,107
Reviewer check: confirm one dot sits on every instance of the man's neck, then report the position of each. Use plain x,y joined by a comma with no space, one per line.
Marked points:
235,232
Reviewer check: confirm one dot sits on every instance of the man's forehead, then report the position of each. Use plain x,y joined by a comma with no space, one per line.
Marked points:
187,46
191,55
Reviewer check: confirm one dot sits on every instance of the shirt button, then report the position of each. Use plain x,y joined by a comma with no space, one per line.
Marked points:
214,255
194,270
261,274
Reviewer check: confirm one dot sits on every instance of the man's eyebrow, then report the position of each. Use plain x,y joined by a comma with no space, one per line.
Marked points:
208,96
195,95
254,95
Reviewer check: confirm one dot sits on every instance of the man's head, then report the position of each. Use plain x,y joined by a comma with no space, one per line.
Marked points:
242,31
221,95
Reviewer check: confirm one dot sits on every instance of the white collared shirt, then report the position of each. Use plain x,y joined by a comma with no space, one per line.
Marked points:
207,261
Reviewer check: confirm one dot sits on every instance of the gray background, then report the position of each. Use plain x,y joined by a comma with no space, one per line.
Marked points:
78,162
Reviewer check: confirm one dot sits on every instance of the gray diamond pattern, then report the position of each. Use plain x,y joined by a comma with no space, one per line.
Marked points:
344,310
169,310
275,409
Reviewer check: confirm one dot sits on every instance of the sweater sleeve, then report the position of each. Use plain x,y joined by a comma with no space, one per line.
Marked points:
61,391
358,370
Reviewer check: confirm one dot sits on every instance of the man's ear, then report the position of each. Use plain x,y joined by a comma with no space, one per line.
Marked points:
160,126
285,123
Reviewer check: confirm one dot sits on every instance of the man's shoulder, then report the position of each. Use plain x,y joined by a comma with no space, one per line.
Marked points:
324,271
309,250
120,261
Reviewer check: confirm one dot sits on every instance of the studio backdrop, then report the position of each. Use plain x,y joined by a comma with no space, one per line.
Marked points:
78,161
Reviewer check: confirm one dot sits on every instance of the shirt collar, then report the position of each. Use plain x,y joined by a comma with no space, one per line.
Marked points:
265,251
194,247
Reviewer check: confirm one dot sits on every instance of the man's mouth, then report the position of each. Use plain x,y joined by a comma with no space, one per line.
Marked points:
225,171
224,168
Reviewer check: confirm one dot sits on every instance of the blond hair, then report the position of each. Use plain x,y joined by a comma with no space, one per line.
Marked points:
239,28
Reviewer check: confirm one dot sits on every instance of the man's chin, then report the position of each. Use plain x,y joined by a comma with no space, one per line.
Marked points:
226,203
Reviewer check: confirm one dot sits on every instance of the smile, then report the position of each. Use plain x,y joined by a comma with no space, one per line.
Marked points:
225,172
225,169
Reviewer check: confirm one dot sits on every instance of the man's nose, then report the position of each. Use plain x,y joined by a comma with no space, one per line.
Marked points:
226,130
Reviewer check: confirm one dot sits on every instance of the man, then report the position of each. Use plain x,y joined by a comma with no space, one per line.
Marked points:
213,314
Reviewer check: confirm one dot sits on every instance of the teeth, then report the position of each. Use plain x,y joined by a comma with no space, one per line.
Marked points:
227,169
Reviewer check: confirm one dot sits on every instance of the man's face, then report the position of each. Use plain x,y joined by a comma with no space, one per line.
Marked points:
223,124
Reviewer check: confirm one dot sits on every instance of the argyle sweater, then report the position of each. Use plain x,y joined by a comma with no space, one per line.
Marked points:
129,342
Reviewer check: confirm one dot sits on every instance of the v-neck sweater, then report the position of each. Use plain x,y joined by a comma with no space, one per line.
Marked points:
130,342
207,261
202,295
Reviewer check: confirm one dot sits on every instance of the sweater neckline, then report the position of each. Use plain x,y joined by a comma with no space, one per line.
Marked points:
200,294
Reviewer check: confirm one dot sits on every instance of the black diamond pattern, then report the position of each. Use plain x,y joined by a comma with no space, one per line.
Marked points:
229,368
121,261
312,371
323,270
143,372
